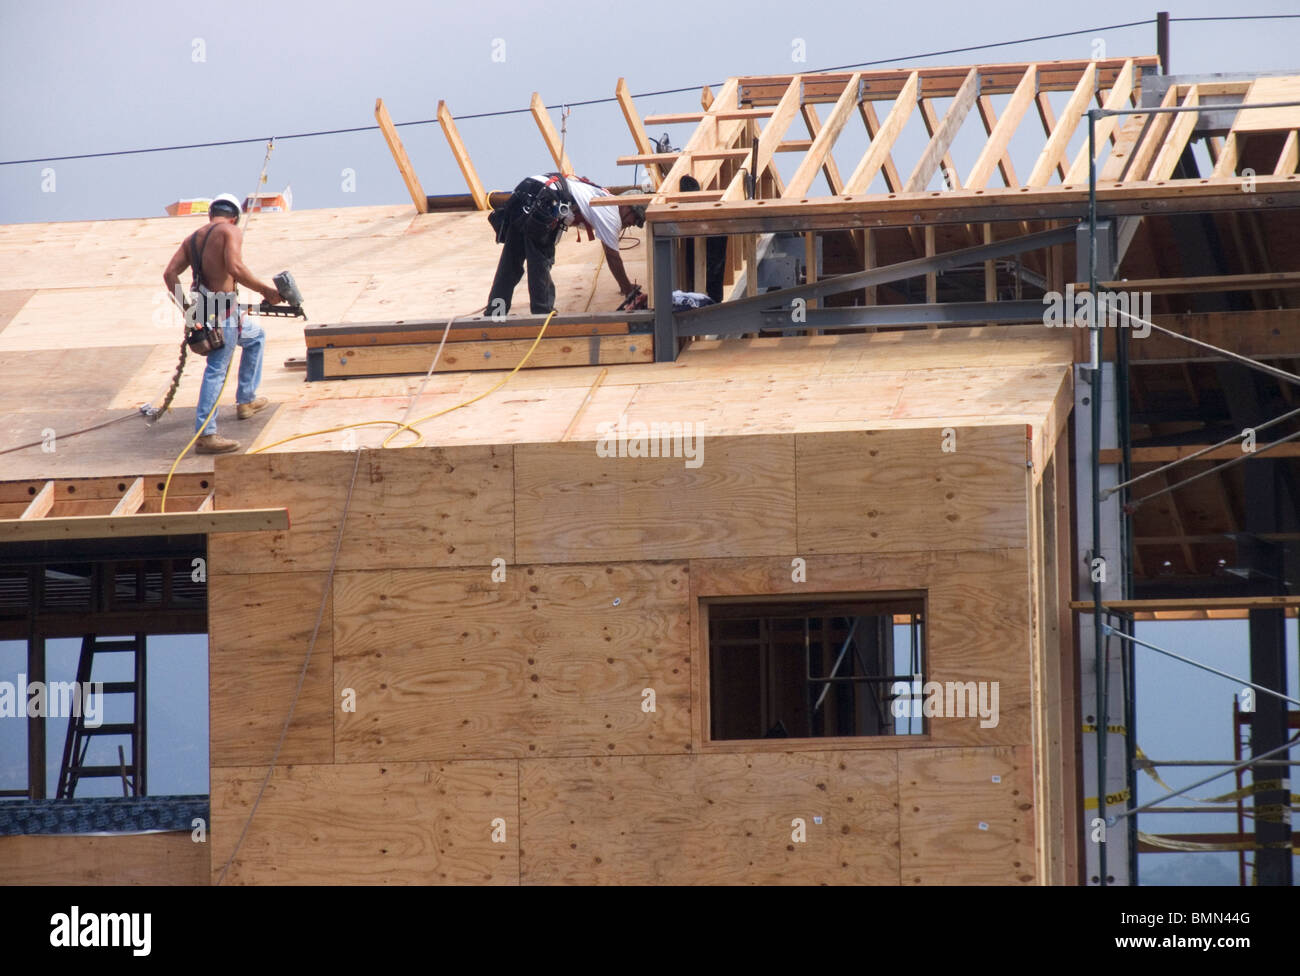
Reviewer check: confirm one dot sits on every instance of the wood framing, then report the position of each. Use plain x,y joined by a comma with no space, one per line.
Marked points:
554,144
130,526
404,166
463,161
883,137
994,150
1057,143
1118,98
532,593
639,138
825,138
963,101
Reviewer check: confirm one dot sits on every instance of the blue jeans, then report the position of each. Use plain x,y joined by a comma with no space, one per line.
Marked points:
251,339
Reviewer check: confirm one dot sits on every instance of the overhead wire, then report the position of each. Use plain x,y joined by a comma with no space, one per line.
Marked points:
605,99
1246,455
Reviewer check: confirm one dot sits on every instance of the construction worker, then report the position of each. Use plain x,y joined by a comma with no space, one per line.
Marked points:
540,209
213,253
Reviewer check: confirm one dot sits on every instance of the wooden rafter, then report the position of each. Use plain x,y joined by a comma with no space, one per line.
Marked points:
944,134
877,156
41,503
995,149
769,138
941,81
131,499
1130,134
448,124
552,138
1180,130
404,166
1106,127
892,180
1059,140
639,136
1153,138
829,167
990,119
952,180
712,134
825,139
1180,527
1289,156
1048,116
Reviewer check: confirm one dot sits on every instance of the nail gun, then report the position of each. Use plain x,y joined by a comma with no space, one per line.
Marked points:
288,289
635,300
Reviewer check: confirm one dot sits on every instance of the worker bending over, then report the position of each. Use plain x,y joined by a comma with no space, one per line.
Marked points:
213,253
537,214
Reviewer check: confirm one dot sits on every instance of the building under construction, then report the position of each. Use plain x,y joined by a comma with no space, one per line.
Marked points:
833,580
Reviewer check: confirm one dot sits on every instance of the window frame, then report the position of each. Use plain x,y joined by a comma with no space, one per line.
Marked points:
832,598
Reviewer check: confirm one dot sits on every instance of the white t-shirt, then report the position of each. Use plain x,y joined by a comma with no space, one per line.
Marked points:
604,221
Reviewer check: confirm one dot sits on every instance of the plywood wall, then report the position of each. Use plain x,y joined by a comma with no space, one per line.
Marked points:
500,732
170,858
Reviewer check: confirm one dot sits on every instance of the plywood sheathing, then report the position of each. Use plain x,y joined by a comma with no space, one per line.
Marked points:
167,858
538,678
315,824
733,387
86,333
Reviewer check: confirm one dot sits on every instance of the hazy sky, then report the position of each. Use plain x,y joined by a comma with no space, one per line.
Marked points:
95,77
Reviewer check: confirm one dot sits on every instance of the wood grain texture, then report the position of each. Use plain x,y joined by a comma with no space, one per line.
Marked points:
492,354
945,795
710,819
395,823
170,858
893,491
1266,90
550,662
575,506
417,507
259,629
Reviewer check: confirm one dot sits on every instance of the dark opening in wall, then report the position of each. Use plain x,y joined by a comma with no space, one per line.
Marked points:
814,668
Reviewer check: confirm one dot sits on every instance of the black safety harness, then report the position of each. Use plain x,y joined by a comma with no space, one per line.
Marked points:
542,210
203,331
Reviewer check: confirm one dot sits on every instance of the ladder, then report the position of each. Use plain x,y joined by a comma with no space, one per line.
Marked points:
80,735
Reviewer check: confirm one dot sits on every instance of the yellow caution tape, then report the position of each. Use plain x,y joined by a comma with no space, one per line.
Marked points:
1112,729
1259,786
1090,802
1173,844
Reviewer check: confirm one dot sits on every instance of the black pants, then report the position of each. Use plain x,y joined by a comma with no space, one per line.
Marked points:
538,250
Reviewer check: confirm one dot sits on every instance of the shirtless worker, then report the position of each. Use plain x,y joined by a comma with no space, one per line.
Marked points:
213,253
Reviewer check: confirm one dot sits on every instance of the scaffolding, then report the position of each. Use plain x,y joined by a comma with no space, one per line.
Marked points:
1271,798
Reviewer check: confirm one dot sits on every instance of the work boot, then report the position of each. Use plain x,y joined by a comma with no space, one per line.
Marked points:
215,444
246,410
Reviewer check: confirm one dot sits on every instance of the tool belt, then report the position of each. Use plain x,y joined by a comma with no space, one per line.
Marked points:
539,210
204,317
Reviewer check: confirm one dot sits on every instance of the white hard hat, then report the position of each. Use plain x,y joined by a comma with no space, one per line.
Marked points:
225,205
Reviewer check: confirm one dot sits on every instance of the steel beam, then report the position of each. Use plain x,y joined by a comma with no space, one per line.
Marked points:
664,272
863,316
701,320
953,209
